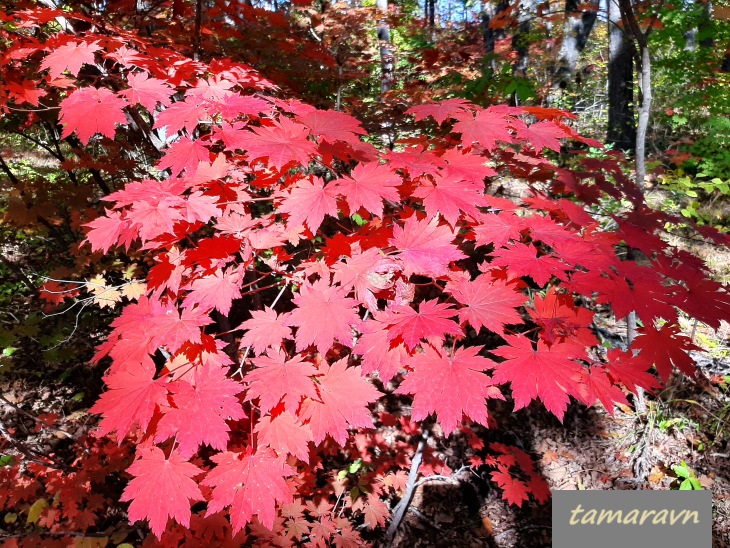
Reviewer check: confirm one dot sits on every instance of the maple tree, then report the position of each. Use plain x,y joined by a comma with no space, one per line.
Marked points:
338,263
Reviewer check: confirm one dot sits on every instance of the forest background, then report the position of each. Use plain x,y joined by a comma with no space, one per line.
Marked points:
293,263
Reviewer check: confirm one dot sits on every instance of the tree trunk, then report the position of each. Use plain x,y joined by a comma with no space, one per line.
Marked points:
197,29
577,29
621,126
521,38
640,37
644,111
386,51
490,35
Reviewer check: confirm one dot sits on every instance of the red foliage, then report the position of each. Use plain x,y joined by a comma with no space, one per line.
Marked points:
252,194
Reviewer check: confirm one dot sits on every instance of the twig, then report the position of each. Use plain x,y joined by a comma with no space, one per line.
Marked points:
400,509
36,419
27,452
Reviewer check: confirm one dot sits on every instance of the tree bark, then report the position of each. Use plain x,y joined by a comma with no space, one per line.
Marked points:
644,111
197,31
386,51
521,38
576,30
641,38
490,35
621,125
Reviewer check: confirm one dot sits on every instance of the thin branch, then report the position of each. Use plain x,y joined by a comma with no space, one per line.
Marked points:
18,272
33,417
8,172
405,502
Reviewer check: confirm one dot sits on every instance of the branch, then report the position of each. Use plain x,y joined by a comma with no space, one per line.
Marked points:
36,419
8,172
405,502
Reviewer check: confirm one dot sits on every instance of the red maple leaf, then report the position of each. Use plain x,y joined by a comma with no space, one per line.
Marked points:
375,511
251,484
342,403
466,166
155,475
543,134
416,162
368,273
598,385
25,92
378,353
425,247
265,329
69,57
132,397
308,202
450,386
514,491
184,154
146,91
168,327
529,480
498,229
153,218
549,373
89,111
285,435
367,186
275,378
523,260
704,299
665,349
54,293
282,143
562,321
216,290
449,195
431,322
323,315
183,114
200,411
333,125
630,370
487,303
211,250
486,127
440,110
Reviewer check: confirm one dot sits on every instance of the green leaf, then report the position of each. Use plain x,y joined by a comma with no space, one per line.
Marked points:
681,471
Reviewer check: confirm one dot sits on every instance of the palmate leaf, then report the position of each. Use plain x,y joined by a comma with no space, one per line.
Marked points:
154,475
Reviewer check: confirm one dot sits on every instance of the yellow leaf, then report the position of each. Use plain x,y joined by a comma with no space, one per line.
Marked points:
108,298
134,290
34,513
97,284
